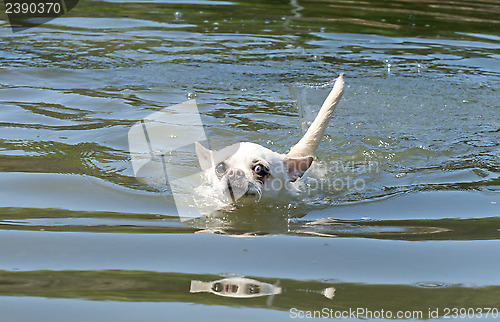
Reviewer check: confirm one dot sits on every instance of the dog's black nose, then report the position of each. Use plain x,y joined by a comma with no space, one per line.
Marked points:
235,174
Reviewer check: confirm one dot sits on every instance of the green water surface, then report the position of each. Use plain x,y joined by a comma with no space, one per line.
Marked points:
82,240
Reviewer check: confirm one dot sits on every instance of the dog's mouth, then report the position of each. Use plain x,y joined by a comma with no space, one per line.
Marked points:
253,191
238,191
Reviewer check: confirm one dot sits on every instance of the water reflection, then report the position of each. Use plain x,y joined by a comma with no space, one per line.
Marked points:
147,286
237,287
262,221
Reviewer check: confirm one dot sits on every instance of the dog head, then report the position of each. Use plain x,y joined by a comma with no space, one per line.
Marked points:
250,170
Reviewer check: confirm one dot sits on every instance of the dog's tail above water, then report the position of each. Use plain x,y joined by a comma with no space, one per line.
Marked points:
309,143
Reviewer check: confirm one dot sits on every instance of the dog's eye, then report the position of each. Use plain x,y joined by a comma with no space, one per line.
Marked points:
221,168
260,170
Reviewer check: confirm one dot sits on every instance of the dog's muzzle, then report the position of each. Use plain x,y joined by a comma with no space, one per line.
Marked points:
237,183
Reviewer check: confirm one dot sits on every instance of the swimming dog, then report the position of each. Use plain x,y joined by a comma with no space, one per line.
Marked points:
247,169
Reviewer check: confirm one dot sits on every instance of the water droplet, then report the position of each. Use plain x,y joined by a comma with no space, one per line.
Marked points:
429,284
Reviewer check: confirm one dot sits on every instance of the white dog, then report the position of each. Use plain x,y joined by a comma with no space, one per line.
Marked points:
248,169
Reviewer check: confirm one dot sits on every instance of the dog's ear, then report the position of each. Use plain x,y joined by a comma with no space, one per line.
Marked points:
296,167
205,156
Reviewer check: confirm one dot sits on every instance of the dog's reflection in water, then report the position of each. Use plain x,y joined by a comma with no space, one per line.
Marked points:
242,287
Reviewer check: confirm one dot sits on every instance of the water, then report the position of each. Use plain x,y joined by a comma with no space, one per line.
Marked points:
82,239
